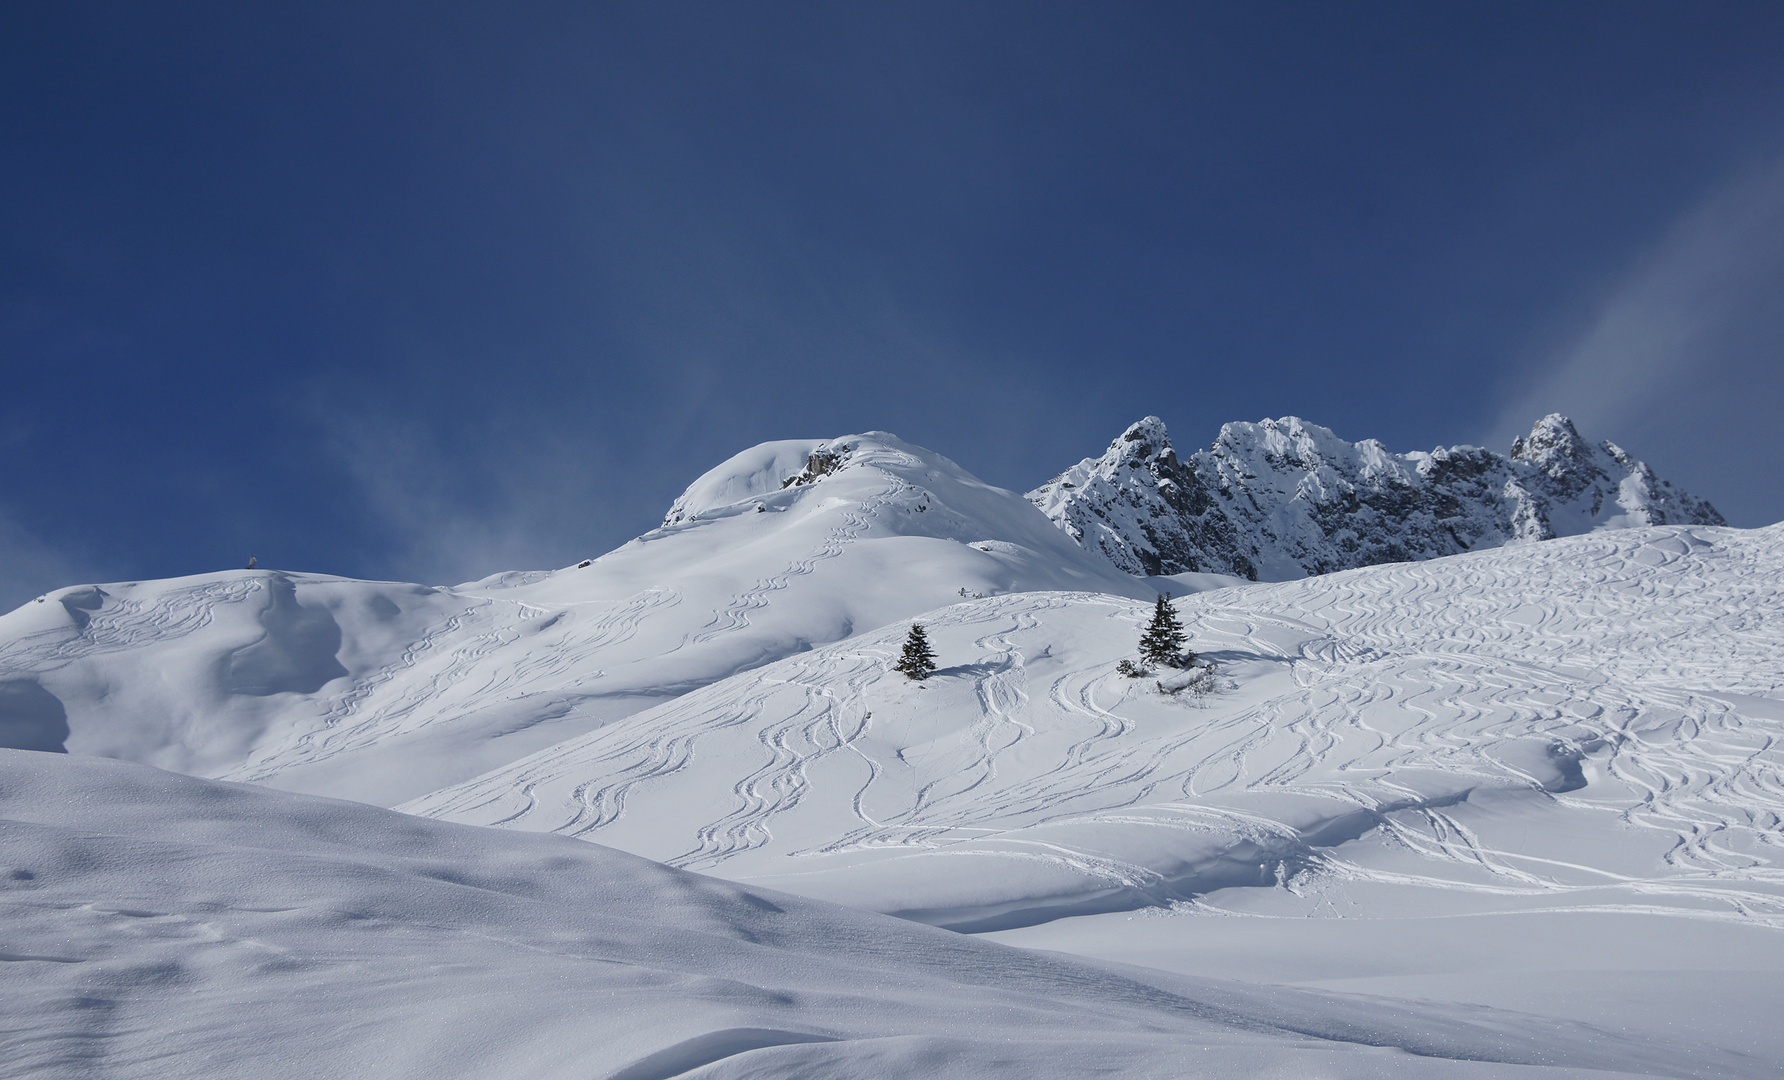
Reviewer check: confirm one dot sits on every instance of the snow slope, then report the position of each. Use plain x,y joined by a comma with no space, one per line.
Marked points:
1514,812
155,925
1592,723
382,691
1283,499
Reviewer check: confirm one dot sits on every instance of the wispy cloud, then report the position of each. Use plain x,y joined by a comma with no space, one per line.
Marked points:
29,566
448,519
1692,308
444,494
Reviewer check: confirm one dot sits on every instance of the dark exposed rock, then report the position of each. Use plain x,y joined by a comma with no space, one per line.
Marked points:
822,462
1283,499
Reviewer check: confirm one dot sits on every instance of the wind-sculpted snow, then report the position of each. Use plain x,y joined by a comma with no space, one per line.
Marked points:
1283,499
1572,745
383,691
1591,723
156,925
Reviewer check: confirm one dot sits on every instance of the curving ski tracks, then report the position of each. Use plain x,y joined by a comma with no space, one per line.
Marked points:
121,624
461,663
1398,692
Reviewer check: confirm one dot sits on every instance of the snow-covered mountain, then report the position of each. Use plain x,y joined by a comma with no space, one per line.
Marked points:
1282,499
1600,711
1548,776
1414,828
383,691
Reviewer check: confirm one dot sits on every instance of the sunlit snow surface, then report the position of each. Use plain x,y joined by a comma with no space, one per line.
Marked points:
1589,723
1507,813
157,925
382,691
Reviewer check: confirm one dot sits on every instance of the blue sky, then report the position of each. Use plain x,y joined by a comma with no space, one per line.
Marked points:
428,291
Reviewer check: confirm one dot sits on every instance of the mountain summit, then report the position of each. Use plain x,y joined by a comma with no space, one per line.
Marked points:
382,691
1284,499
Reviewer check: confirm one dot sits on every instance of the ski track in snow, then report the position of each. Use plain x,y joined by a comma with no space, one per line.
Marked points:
127,624
810,731
820,727
446,680
180,928
1621,657
434,681
855,523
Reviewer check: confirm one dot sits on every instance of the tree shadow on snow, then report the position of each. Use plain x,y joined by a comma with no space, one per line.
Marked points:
974,671
1228,656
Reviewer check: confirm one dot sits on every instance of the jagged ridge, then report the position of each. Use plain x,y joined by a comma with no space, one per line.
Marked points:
1284,499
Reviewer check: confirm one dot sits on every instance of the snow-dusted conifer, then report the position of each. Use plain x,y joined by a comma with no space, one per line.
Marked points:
1162,643
918,659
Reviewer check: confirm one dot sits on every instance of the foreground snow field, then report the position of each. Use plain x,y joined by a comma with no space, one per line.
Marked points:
155,925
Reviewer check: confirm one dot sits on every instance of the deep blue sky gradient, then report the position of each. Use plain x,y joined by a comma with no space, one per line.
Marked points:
429,291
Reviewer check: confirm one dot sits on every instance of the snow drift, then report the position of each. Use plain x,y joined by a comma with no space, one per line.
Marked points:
154,925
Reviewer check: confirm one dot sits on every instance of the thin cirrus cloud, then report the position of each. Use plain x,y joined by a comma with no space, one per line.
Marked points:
1692,332
28,564
441,518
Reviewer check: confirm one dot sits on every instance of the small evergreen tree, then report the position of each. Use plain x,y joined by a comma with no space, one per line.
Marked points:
918,659
1162,643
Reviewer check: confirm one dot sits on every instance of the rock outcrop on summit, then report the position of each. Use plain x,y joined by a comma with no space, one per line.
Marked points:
1284,499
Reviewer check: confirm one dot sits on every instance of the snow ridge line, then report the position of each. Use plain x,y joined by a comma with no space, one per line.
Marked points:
127,624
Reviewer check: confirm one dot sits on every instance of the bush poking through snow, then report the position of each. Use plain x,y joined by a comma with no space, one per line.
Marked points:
918,659
1198,681
1131,669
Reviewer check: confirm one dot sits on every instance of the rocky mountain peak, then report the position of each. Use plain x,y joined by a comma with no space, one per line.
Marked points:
1570,468
1552,438
1135,505
1282,499
1145,438
1554,446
